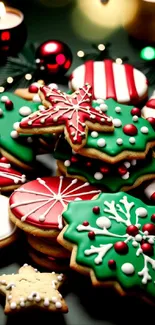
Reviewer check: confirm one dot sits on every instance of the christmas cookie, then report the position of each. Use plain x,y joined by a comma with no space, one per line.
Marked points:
148,111
32,289
30,93
20,150
149,191
47,247
10,178
48,262
112,238
133,136
36,207
108,79
71,114
8,231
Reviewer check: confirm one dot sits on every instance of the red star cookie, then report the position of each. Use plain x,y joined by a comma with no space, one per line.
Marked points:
9,177
72,114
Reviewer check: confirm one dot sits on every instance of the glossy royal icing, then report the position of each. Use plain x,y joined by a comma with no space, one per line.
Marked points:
8,175
7,228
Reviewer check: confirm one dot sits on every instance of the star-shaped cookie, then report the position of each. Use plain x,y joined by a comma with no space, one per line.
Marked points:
71,114
32,289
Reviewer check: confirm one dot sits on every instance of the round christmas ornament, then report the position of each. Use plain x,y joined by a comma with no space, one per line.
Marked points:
54,57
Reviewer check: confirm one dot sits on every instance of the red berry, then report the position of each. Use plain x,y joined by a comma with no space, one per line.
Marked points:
151,121
130,129
8,105
147,249
85,223
112,264
91,234
136,111
153,217
33,89
104,170
96,210
150,228
122,170
74,159
88,163
121,247
132,230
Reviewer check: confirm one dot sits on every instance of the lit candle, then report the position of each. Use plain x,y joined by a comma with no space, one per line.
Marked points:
9,17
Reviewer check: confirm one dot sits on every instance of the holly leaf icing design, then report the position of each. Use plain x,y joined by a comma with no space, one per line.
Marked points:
113,236
72,114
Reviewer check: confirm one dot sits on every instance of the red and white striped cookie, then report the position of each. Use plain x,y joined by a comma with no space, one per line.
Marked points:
150,191
109,79
148,111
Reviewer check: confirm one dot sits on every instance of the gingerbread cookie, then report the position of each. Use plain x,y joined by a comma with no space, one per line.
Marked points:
31,289
30,93
112,238
108,79
132,138
9,177
36,206
71,114
8,231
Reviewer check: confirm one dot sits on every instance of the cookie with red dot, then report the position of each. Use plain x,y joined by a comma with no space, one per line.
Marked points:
116,245
30,93
10,178
148,111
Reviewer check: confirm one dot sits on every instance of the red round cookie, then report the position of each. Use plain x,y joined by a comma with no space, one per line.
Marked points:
37,206
9,177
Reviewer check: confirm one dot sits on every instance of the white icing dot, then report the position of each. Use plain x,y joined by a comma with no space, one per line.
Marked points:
141,212
25,111
151,240
127,164
53,86
134,243
146,232
133,162
46,302
117,109
60,277
100,101
135,118
94,134
1,112
41,218
132,140
29,140
21,299
58,304
117,122
22,304
128,268
101,143
9,297
103,222
14,134
54,299
37,298
119,141
77,199
98,176
25,265
41,107
67,163
15,125
103,107
144,129
138,237
36,99
13,305
4,99
126,175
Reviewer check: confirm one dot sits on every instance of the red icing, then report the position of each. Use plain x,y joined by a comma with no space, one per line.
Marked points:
96,210
131,82
112,264
121,247
69,110
151,103
85,223
136,111
89,74
151,121
104,170
153,217
48,197
91,234
150,228
153,197
122,170
33,89
147,249
130,129
8,104
74,159
110,84
8,175
132,230
88,163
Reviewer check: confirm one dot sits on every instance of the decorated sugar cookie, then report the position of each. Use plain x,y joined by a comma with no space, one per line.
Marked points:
149,191
21,150
37,206
71,114
112,238
109,79
133,135
32,289
148,111
9,177
8,231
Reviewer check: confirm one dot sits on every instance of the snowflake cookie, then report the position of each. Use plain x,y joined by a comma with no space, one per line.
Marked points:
72,114
112,238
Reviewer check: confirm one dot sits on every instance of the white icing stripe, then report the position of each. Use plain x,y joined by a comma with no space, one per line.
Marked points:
120,80
150,189
7,228
78,77
146,110
99,80
140,82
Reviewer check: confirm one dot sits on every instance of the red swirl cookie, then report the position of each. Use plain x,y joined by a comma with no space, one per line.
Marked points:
9,177
37,206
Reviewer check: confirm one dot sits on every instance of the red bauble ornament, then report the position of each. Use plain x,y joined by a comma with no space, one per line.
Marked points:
122,170
112,264
150,228
147,249
54,57
96,210
121,247
85,223
33,89
74,159
130,129
91,234
153,217
132,230
8,105
152,121
136,111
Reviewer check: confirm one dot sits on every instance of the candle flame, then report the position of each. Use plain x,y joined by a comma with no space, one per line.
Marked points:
2,9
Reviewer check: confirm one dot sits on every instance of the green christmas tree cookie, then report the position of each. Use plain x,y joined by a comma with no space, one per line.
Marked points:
112,238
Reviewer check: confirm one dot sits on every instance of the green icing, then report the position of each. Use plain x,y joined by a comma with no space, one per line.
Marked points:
121,210
112,148
19,147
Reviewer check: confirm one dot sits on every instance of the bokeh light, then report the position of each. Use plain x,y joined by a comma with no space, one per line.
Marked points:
147,53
